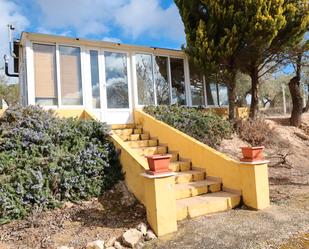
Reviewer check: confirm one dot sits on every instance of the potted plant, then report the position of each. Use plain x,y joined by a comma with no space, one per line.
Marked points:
158,163
252,154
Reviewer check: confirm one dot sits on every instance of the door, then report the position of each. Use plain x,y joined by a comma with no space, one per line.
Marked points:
117,104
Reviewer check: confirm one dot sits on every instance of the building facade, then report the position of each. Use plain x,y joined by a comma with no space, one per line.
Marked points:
110,79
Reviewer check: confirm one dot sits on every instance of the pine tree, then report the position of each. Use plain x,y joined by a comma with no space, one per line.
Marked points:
224,36
212,32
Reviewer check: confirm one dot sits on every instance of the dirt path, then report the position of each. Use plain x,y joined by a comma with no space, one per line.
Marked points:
243,229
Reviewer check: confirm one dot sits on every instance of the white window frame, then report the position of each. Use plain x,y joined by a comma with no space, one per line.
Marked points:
127,53
88,80
83,75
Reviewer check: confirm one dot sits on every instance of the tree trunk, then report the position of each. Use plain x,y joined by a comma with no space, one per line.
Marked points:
297,100
254,92
306,108
232,97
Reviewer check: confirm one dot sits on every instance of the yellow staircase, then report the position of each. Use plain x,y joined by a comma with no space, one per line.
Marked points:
196,193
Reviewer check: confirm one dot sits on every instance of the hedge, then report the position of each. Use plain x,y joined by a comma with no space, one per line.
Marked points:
45,160
206,127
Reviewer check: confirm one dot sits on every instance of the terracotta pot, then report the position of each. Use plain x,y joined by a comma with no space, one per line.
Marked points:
158,164
251,154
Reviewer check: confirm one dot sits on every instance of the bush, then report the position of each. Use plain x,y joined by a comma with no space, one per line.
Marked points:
256,132
45,160
206,127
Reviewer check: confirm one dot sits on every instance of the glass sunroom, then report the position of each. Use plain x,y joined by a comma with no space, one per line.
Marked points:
110,79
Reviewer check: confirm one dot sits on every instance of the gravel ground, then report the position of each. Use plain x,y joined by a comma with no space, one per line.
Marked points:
244,229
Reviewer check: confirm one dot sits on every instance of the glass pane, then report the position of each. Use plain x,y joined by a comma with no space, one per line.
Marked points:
196,86
45,75
95,81
116,80
70,74
161,79
211,91
178,81
145,87
223,95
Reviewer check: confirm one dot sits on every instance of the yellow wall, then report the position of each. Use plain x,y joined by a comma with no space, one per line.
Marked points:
202,156
156,194
241,112
253,183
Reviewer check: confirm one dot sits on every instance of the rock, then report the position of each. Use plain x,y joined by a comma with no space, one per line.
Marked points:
110,242
98,244
139,245
131,237
142,227
117,245
65,247
150,235
110,247
68,204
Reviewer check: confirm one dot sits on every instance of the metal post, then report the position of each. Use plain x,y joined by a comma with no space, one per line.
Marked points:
284,99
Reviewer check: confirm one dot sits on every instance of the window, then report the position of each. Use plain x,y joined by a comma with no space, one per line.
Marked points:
223,95
196,86
70,75
178,81
145,84
45,75
161,79
116,80
95,81
212,94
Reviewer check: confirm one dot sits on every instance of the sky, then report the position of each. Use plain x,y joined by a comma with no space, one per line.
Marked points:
155,23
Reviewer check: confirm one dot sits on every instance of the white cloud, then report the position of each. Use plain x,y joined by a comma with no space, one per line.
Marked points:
10,14
87,17
140,17
135,18
111,39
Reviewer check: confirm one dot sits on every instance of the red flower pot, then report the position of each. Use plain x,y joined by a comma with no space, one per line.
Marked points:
158,164
252,154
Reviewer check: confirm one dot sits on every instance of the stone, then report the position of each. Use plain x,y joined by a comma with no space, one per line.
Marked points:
110,242
131,237
68,204
98,244
117,245
139,245
110,247
150,235
65,247
142,227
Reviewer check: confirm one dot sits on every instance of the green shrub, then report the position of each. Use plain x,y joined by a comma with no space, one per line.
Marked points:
206,127
45,160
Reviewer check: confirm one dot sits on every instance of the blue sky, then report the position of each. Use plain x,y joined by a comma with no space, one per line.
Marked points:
154,23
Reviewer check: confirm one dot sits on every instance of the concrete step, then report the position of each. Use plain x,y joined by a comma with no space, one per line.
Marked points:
145,151
123,126
142,143
186,190
206,204
177,166
189,176
123,132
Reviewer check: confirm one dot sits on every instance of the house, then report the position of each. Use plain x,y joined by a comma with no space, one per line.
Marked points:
110,79
113,81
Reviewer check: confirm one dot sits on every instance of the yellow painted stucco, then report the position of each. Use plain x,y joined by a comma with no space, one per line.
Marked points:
241,112
250,180
156,194
254,185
